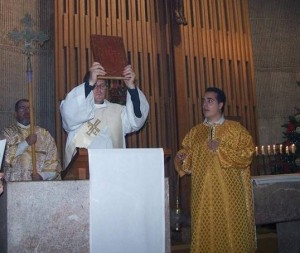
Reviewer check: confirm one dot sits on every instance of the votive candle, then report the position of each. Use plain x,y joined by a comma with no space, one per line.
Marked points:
274,149
293,148
280,149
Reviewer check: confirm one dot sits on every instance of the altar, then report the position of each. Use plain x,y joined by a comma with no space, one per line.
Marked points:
277,200
55,216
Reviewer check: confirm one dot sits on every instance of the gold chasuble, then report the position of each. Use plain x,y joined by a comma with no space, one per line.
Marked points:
221,194
18,167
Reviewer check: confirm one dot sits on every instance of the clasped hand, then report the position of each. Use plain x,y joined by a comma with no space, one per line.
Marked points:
31,139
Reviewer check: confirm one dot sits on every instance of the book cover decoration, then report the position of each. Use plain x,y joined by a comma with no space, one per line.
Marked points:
109,51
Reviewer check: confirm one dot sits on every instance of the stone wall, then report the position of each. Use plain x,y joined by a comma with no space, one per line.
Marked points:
275,27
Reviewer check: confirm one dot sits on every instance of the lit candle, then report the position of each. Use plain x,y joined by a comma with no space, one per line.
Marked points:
280,149
269,150
274,149
256,151
293,148
287,150
262,150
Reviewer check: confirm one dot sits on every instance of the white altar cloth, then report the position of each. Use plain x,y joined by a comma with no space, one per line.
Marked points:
127,213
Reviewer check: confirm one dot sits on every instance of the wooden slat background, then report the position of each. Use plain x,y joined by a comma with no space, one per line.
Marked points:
217,52
174,64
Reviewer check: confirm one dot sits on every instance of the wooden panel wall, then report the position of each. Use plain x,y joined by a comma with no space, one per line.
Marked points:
216,50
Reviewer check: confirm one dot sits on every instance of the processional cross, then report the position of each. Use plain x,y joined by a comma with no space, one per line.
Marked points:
31,40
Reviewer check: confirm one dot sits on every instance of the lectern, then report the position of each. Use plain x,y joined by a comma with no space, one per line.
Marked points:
78,168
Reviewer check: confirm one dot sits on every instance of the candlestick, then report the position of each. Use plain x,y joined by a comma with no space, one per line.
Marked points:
256,151
269,149
287,150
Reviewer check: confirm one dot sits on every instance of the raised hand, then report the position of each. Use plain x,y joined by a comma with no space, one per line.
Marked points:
129,75
96,70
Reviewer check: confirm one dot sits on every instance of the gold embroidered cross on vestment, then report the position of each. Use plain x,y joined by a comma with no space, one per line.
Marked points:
93,128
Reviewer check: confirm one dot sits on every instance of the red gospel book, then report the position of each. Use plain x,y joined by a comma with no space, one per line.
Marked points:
109,51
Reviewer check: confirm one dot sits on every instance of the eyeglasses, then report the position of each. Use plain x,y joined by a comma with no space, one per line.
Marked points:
23,108
100,86
208,101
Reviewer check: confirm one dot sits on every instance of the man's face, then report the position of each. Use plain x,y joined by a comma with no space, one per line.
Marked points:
100,91
211,108
22,114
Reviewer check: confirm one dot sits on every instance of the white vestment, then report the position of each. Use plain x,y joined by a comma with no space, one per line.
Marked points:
91,125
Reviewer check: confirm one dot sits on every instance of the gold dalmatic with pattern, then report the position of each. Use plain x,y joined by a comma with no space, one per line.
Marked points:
221,195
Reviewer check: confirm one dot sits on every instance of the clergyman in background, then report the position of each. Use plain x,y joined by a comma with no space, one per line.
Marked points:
18,158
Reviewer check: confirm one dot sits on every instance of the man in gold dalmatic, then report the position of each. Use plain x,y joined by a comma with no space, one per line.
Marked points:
217,154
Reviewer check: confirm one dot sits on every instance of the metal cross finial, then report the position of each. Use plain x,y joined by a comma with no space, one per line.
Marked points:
30,37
